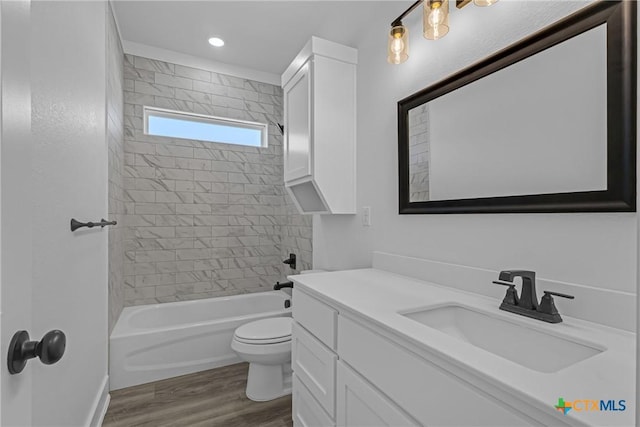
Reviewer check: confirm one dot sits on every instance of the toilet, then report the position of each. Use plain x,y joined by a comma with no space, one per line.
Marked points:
266,345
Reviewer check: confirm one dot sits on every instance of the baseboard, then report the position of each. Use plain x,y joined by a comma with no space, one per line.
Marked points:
600,305
100,404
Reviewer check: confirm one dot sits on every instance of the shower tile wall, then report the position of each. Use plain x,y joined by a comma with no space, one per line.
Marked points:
204,219
296,237
115,60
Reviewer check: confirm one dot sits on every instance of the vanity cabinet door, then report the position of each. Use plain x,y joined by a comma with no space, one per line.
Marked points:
360,405
426,392
307,412
315,366
297,119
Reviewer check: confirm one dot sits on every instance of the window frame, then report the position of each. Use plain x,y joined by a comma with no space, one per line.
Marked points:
207,119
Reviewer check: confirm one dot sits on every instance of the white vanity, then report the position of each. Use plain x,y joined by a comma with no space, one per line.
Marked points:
374,348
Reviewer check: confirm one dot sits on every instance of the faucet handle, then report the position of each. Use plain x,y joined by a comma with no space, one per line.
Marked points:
548,307
503,283
558,294
511,297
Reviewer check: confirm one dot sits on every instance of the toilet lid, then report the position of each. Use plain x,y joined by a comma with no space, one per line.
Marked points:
265,331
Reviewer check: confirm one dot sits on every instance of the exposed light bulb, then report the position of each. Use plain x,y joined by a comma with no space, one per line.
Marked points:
436,17
397,45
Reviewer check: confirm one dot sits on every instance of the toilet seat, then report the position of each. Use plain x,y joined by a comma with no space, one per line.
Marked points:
263,342
265,331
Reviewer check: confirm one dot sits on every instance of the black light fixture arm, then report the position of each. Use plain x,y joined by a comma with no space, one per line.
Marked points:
398,20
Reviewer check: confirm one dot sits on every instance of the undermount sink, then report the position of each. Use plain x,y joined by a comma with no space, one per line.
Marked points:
523,345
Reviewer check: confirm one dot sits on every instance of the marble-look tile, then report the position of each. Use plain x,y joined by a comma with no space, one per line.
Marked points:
192,73
173,81
204,219
153,65
154,89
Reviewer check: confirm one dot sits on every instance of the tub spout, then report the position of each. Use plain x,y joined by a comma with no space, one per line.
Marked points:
279,285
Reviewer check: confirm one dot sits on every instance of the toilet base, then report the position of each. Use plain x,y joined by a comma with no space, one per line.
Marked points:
268,382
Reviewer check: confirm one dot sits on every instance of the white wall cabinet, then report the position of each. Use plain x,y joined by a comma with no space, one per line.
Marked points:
298,126
320,128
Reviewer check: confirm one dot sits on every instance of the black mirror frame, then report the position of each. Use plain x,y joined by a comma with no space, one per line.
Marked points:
620,196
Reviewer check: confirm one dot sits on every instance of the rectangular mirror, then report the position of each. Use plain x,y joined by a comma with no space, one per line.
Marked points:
546,125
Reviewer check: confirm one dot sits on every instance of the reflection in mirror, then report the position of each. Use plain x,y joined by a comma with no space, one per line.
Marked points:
538,126
419,153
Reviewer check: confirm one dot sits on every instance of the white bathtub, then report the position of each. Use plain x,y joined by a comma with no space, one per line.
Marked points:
154,342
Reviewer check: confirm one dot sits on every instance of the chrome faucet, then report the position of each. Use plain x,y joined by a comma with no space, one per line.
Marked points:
527,303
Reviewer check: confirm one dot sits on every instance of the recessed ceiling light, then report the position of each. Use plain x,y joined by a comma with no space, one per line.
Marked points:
216,41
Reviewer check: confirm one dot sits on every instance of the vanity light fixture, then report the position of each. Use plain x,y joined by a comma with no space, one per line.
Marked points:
435,22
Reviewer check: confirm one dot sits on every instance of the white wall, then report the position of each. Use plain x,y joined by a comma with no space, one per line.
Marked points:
590,249
15,250
70,180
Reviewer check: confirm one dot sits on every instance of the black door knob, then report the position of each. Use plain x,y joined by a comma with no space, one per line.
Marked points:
49,349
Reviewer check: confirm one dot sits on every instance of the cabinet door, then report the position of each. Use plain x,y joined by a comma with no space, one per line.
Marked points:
297,122
307,412
428,393
315,366
359,404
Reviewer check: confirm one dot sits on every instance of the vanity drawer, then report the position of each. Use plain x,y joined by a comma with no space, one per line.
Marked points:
361,405
429,394
307,412
317,317
315,366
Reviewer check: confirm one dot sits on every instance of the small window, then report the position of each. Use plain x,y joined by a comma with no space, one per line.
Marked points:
178,124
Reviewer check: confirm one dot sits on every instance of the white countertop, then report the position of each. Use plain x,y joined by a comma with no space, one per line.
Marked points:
378,296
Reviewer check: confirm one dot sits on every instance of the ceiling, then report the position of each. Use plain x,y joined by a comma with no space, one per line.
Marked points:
260,35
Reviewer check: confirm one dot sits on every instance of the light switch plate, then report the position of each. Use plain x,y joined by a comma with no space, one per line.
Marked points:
366,216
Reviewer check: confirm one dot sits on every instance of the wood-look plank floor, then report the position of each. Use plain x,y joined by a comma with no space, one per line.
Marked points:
210,398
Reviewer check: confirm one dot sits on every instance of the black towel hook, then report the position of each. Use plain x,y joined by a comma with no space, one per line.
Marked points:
75,224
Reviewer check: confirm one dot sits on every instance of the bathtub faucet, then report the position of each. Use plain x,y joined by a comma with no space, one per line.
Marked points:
279,285
291,261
